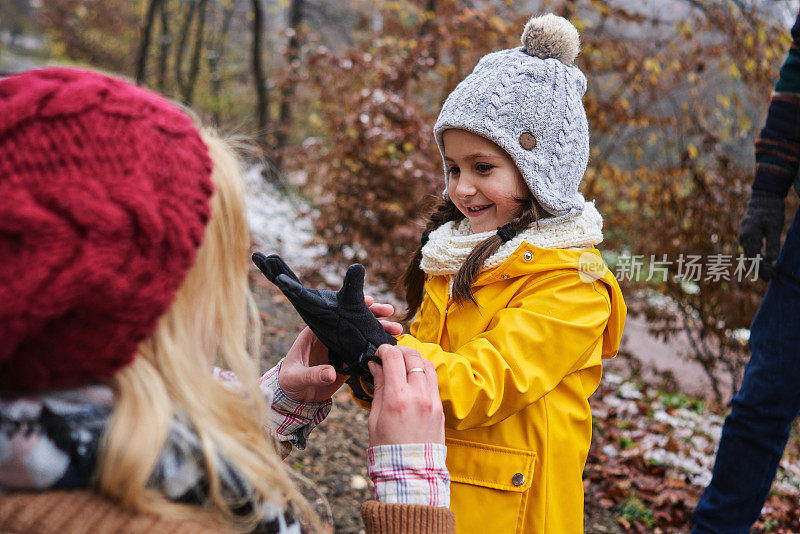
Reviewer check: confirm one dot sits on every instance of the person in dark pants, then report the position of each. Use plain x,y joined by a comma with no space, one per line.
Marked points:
755,433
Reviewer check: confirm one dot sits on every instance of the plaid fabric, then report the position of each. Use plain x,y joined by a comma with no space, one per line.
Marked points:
778,146
410,473
403,474
291,421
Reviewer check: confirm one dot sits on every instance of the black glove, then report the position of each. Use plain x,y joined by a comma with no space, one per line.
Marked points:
765,217
340,319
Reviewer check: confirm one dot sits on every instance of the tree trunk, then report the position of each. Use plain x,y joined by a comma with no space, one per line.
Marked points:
147,30
194,68
184,37
293,64
259,78
215,55
430,7
165,42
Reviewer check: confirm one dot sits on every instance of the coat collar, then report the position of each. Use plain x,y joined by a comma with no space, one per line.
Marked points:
537,262
449,245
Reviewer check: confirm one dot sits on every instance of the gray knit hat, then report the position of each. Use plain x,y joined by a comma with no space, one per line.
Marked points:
528,101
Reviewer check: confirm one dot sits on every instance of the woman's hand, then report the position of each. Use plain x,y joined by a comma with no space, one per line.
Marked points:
303,376
406,407
306,376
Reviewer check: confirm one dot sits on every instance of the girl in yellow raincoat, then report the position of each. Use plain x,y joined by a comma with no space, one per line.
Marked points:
516,307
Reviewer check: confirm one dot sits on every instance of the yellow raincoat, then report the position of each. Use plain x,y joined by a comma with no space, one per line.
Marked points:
515,374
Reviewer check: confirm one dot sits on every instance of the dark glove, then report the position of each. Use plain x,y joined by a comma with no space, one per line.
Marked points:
765,217
340,319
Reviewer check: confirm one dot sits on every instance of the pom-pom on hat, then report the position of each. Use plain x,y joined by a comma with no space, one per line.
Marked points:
104,198
528,101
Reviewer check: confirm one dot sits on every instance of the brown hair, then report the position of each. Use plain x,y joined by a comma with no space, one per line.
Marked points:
414,278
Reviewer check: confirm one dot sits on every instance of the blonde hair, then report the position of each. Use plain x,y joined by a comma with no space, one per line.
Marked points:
213,316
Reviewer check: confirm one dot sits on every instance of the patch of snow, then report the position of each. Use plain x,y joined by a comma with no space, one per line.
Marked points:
700,442
630,391
788,477
685,442
697,467
610,451
690,287
357,482
612,378
624,408
285,226
741,334
653,441
280,225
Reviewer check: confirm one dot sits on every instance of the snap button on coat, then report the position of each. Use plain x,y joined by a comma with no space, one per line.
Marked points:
518,479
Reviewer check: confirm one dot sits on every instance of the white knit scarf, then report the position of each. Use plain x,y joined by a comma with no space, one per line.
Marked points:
449,245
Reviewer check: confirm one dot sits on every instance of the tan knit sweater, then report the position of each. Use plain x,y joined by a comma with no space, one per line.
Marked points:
73,512
83,512
387,518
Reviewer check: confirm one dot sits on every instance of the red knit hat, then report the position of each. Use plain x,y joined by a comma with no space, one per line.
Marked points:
104,198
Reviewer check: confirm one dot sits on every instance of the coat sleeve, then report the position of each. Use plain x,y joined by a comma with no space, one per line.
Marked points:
549,330
778,145
389,518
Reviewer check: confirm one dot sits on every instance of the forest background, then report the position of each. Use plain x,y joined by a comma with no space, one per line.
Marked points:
340,96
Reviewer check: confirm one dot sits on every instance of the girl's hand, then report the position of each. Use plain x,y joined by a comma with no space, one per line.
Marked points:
406,407
306,376
381,310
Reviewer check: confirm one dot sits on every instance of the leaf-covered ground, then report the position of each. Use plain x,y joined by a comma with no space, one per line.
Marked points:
652,454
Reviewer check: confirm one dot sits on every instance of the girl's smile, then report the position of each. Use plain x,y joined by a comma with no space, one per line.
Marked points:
476,211
483,181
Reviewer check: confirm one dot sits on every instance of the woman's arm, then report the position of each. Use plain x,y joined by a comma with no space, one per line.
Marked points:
299,388
407,451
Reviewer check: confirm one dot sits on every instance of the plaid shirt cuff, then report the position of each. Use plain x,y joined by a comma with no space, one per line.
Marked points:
410,473
291,420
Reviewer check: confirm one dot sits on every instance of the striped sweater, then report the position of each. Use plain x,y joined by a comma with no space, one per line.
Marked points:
778,146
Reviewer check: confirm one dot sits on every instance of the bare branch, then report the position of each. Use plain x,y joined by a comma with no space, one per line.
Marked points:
702,356
216,51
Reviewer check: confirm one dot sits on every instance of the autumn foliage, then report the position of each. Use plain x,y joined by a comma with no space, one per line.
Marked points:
673,104
674,117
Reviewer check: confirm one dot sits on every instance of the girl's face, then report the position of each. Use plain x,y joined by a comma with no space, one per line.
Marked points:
484,182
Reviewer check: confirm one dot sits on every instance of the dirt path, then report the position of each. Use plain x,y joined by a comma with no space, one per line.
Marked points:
664,363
